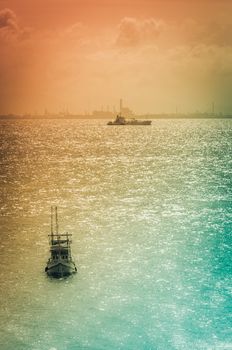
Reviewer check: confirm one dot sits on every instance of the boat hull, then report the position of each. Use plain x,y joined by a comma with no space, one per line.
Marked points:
145,122
60,269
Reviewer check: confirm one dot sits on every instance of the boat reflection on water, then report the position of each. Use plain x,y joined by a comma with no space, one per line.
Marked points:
60,264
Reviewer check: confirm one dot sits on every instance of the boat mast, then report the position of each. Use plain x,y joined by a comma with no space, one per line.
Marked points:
56,221
52,232
120,108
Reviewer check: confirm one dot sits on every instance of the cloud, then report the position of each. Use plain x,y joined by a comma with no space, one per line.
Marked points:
75,35
75,29
8,20
208,32
10,30
134,32
150,32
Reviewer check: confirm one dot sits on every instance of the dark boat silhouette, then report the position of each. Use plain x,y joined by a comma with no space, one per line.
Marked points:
60,264
120,120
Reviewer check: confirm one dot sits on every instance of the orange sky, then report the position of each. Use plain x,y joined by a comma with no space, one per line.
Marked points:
84,54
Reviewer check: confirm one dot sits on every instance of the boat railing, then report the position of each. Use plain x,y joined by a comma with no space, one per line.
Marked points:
55,239
60,235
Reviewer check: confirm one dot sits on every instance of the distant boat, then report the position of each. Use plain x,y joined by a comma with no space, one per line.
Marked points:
60,264
120,120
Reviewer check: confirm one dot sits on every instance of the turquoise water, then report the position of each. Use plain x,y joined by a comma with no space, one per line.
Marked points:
150,213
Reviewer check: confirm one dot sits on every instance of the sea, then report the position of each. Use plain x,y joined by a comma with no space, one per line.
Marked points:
150,213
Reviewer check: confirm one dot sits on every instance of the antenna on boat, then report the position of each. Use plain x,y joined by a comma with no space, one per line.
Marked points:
120,109
56,221
51,221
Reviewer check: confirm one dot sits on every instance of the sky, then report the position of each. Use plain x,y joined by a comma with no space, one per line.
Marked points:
84,55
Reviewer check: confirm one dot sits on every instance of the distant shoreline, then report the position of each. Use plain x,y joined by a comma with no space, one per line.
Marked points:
91,117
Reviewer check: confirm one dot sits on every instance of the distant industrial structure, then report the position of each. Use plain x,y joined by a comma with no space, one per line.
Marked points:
102,114
125,111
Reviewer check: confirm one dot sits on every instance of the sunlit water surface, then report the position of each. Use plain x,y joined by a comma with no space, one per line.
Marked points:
150,213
